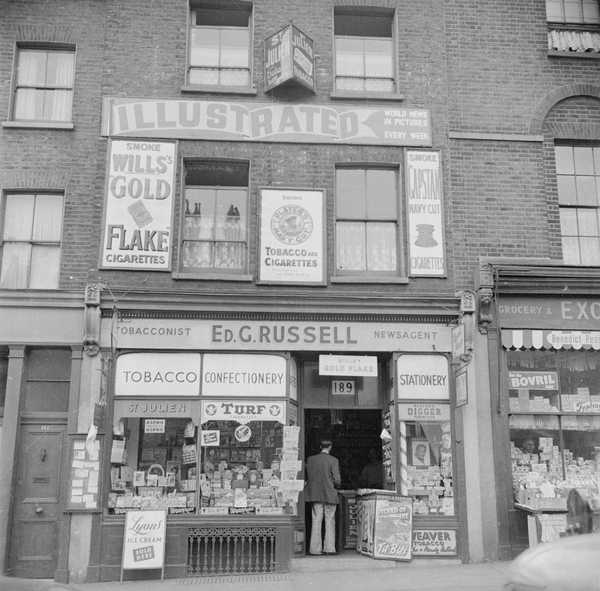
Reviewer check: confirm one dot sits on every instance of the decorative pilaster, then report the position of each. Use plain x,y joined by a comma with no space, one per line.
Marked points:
91,337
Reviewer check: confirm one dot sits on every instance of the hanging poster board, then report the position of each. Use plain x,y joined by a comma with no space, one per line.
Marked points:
144,541
392,538
84,475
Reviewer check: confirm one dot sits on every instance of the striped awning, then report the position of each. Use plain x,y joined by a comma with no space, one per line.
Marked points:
550,339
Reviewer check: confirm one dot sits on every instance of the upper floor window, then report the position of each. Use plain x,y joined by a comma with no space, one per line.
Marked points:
578,181
366,228
219,44
215,217
44,84
31,231
573,11
364,57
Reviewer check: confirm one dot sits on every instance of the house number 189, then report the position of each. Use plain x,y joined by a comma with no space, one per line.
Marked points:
343,387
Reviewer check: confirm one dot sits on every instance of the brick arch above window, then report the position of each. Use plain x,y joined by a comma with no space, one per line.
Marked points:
44,34
391,4
576,117
540,115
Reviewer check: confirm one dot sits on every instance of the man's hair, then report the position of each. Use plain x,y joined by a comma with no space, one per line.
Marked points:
325,443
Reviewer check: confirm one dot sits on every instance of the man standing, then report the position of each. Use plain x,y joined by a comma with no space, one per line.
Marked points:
323,476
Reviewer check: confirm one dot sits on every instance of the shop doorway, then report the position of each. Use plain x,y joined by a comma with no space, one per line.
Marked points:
34,539
356,444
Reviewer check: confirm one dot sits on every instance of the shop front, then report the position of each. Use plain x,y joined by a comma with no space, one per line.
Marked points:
549,404
211,421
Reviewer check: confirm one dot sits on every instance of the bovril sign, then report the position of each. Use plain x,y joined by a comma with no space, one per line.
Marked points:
422,377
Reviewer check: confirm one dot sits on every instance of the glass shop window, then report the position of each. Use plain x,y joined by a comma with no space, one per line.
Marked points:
154,466
430,467
554,429
242,471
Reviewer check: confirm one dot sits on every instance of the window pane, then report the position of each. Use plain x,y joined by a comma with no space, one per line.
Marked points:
350,246
350,193
204,76
554,10
567,195
570,247
564,160
590,11
234,48
196,255
32,68
573,12
231,217
60,69
46,396
199,218
584,161
57,105
353,84
49,364
378,58
45,267
229,255
29,103
18,217
204,47
381,247
15,265
590,251
235,78
349,57
381,195
568,221
587,222
47,226
379,85
586,190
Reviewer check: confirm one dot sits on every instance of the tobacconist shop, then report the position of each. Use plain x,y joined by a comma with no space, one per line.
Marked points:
211,421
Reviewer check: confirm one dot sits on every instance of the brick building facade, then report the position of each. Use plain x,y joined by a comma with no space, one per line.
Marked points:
501,96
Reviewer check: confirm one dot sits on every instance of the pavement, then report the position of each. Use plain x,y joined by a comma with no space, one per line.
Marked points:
348,572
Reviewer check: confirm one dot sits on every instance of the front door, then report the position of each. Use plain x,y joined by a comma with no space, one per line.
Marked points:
34,541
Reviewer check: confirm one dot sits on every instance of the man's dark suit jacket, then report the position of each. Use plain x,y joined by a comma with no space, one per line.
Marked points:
323,476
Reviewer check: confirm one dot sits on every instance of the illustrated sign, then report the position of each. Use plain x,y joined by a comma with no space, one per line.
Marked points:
423,411
292,236
260,122
157,374
348,365
434,542
199,334
422,376
243,411
289,55
425,214
138,206
244,375
144,540
393,528
533,380
210,437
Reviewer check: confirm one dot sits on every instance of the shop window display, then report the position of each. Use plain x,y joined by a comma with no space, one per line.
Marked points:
554,405
429,467
243,472
153,466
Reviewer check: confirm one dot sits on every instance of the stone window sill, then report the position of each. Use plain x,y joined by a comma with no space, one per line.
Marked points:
39,124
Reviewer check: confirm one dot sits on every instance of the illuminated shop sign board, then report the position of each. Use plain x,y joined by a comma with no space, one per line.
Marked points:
289,56
158,374
265,122
138,205
201,334
348,365
244,375
422,376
